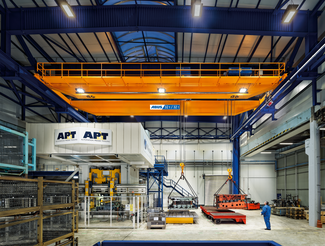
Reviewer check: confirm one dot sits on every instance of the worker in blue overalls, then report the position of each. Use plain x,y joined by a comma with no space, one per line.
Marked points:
266,212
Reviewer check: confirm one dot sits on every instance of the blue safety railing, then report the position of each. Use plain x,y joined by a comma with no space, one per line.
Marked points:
161,164
24,166
158,173
169,183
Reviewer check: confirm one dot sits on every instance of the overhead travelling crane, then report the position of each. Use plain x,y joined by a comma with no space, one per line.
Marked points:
197,89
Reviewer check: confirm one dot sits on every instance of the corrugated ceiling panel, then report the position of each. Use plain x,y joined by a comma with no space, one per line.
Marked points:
199,46
81,48
267,4
213,47
281,45
247,45
187,46
179,46
66,56
17,54
93,46
208,3
70,44
263,49
224,3
107,46
247,4
232,44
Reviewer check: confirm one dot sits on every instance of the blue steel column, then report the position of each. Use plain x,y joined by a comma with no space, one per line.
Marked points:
162,189
5,37
23,98
33,144
236,156
235,163
148,192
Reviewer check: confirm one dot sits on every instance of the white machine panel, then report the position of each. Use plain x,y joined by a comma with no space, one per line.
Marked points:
128,141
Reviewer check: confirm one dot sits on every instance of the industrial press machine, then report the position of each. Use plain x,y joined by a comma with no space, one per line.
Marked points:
101,186
105,192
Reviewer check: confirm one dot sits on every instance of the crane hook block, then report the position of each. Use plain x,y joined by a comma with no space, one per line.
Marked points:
229,173
182,166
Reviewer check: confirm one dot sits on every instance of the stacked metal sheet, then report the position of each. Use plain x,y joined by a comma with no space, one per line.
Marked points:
181,217
179,202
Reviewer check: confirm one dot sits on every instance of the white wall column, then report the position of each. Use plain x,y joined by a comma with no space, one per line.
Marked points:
313,152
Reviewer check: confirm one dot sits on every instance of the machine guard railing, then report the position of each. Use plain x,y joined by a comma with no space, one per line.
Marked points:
28,161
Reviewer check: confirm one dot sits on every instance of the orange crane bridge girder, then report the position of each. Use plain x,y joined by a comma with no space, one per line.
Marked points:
188,108
111,87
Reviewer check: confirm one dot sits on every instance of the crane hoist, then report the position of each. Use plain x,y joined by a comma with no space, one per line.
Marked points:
187,200
179,206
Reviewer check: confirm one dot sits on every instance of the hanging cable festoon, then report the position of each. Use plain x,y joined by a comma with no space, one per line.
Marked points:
212,161
192,193
175,159
194,163
221,161
203,162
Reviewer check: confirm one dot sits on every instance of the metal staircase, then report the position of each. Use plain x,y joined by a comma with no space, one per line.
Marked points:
169,183
158,174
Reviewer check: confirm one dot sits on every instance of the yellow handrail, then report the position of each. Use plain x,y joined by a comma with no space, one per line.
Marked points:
184,69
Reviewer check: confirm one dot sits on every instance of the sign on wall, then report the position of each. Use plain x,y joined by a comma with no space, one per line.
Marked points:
164,107
82,135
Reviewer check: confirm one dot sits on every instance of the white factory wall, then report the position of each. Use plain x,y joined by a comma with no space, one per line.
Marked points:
292,179
194,150
258,176
258,180
194,175
54,165
292,176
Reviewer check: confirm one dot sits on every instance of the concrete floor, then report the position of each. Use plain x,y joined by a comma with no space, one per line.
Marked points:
285,231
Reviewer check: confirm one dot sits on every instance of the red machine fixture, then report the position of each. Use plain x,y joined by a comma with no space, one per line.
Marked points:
226,201
253,206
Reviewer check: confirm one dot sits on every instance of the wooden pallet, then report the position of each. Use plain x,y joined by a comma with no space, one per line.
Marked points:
322,216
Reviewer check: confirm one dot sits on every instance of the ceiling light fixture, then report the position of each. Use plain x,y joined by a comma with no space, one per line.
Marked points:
185,116
132,116
322,129
266,153
286,143
289,13
225,117
197,7
66,8
161,90
242,90
80,90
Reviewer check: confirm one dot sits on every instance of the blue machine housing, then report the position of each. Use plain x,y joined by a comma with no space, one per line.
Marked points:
236,71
